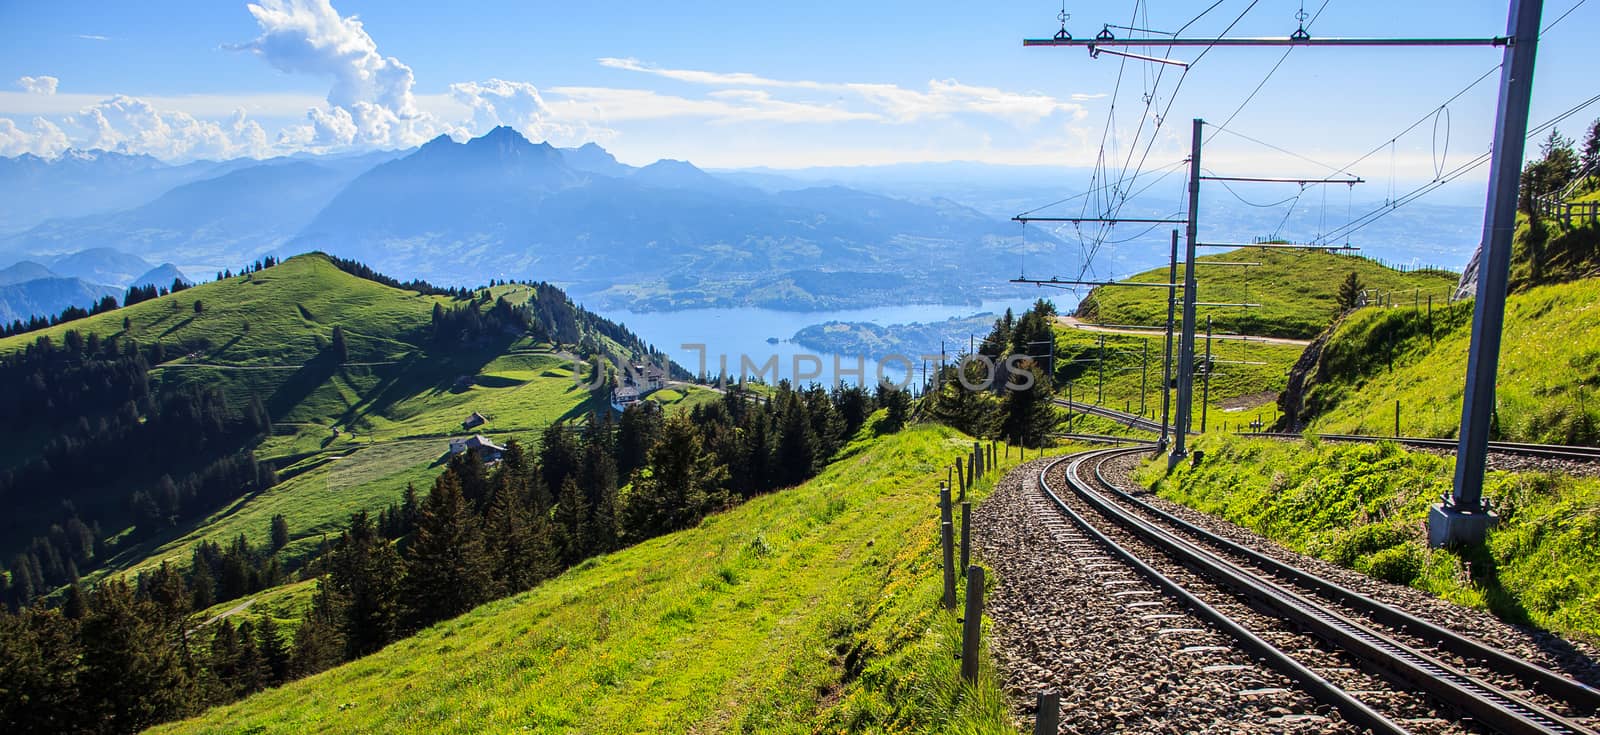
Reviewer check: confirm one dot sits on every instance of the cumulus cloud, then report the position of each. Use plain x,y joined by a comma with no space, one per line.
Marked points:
131,125
39,85
499,102
371,101
46,139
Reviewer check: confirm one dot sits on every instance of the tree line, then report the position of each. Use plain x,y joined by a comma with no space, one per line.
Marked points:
480,532
95,428
984,395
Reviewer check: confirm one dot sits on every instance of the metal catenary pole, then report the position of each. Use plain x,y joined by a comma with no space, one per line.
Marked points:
1499,224
1166,362
1205,390
1186,339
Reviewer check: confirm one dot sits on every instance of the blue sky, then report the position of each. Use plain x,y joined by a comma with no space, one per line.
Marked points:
734,85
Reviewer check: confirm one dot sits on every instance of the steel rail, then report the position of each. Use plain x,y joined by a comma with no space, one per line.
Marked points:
1482,701
1131,420
1549,682
1354,710
1548,451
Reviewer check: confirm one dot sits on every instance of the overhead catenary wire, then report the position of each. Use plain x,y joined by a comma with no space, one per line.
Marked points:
1274,69
1161,119
1378,213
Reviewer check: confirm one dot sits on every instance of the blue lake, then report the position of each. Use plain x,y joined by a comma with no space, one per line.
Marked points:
735,336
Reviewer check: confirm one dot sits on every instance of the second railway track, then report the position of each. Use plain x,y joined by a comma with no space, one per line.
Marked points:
1382,668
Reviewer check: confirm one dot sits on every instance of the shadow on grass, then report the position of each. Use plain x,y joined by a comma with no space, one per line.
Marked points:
496,381
1505,605
418,375
305,381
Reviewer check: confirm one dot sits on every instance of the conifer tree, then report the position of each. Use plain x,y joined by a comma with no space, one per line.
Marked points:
40,661
683,485
132,674
280,532
1349,292
250,671
447,573
365,573
571,520
600,486
202,587
318,645
508,521
797,444
275,654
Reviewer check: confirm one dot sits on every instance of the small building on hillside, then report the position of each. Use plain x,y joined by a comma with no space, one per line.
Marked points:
623,396
474,421
647,377
487,450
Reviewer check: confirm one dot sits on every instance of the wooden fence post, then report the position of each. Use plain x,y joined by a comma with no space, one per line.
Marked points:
1047,713
949,567
972,624
961,477
966,534
944,504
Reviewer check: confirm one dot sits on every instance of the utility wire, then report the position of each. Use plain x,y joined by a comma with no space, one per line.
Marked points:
1394,203
1376,214
1173,96
1279,149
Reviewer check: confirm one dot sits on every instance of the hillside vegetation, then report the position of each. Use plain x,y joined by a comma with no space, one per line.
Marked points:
1297,291
1365,506
308,391
809,610
1245,376
1549,368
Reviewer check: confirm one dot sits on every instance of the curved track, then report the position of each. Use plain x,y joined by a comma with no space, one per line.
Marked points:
1547,451
1272,609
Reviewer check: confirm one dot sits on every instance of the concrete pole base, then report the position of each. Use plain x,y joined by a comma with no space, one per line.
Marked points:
1449,526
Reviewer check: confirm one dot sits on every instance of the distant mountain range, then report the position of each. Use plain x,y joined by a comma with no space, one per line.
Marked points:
663,236
81,279
47,296
667,235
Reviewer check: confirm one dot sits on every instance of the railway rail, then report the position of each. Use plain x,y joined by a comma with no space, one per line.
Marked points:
1270,608
1131,420
1547,451
1524,449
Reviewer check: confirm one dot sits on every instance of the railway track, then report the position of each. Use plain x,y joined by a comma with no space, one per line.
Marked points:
1130,420
1382,668
1522,449
1547,451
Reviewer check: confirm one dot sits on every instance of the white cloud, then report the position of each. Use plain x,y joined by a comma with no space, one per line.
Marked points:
740,79
39,85
46,140
93,37
371,101
132,125
609,104
899,104
498,102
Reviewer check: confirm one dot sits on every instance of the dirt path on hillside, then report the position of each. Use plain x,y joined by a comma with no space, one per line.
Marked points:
1075,323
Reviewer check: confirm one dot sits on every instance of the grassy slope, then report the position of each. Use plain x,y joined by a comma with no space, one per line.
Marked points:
806,610
1365,506
1296,290
1549,368
1239,391
395,403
